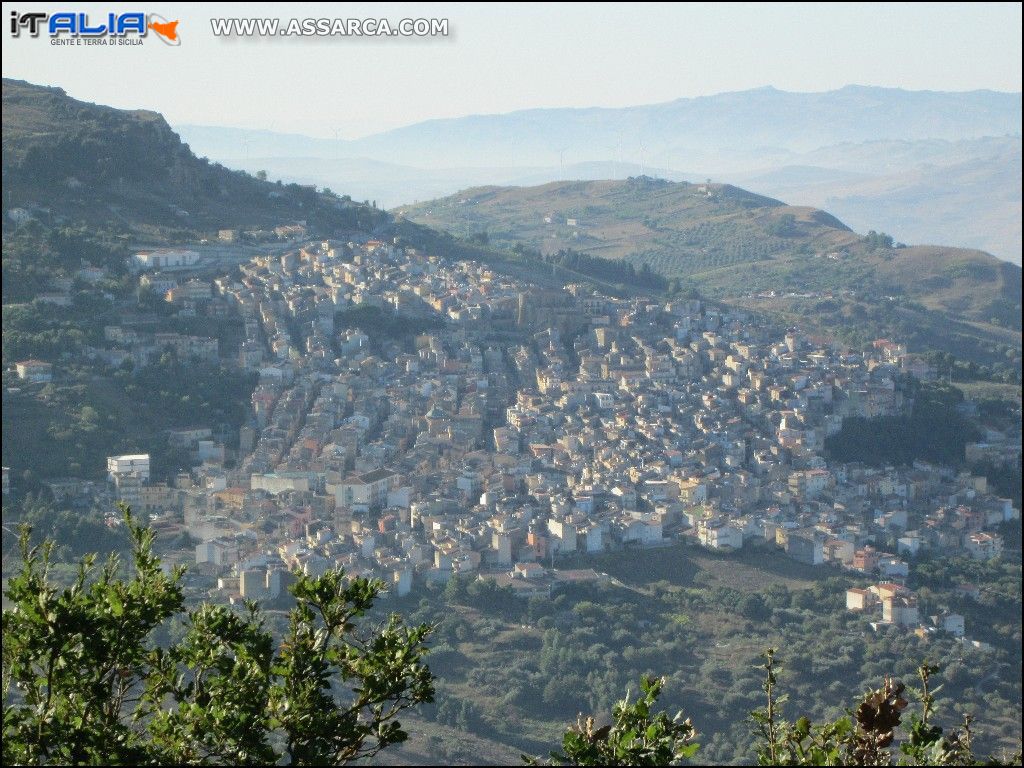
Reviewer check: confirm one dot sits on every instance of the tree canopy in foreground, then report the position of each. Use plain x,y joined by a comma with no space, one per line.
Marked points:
868,735
83,681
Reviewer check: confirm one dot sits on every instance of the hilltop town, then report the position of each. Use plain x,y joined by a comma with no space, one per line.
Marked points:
506,427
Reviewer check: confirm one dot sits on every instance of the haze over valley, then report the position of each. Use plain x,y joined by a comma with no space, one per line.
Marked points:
926,167
679,433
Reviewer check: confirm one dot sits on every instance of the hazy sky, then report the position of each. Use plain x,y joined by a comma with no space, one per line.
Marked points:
503,58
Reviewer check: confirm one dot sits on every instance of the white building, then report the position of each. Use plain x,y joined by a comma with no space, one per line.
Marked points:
401,581
128,464
859,599
720,536
275,483
217,552
34,371
592,536
645,531
163,258
367,490
900,610
984,546
252,584
950,622
564,532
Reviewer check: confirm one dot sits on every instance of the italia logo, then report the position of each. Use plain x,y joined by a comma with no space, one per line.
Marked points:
83,25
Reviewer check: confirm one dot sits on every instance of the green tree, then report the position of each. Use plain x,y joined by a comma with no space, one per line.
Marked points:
873,733
865,736
455,590
636,736
754,608
83,681
876,240
784,226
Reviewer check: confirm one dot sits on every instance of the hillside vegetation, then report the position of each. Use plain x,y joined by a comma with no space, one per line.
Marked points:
925,166
70,162
84,185
675,226
730,244
321,683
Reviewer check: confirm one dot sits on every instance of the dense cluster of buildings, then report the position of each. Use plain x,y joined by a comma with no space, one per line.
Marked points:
532,424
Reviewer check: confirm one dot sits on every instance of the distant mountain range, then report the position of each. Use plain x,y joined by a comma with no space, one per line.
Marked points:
903,147
726,129
965,193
